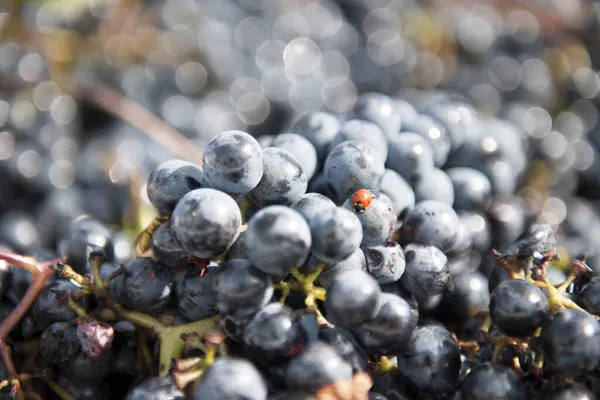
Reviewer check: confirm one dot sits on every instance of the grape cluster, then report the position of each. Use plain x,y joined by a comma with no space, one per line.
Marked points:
315,200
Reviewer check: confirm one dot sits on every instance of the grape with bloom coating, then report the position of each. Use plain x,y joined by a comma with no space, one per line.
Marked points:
310,204
278,240
365,132
232,162
410,155
351,166
353,297
230,379
170,181
427,272
378,220
431,222
336,234
206,222
299,147
319,128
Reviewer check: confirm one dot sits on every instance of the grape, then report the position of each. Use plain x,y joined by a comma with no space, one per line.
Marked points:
379,109
385,262
353,297
356,261
316,366
241,289
159,388
345,345
170,181
273,335
492,381
378,220
319,128
311,204
301,148
472,189
336,234
410,155
196,298
431,222
467,296
206,222
365,132
166,250
230,379
434,133
283,180
232,162
436,185
50,307
278,240
399,191
431,363
427,272
81,233
518,307
59,342
351,166
392,328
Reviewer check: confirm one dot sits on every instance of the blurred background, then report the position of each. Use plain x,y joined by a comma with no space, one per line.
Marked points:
205,66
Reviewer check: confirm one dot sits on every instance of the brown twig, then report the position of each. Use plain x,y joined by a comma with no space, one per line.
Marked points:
142,119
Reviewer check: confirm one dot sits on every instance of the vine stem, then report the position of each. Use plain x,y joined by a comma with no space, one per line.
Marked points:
141,118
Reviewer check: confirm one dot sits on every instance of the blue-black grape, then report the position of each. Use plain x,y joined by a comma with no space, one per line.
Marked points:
278,240
283,180
59,342
410,155
434,133
145,285
590,296
311,204
273,335
196,298
378,219
427,272
392,328
399,191
431,363
467,296
230,379
170,181
351,166
379,109
492,382
232,162
346,346
317,365
83,232
336,233
301,148
435,185
353,297
571,342
365,132
51,306
319,128
431,222
472,189
241,289
356,261
206,222
386,263
167,250
518,307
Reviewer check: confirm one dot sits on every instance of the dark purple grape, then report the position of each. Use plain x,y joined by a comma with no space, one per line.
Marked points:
319,128
206,222
230,379
356,261
145,285
167,250
434,133
399,191
431,363
196,298
435,185
353,297
241,289
518,307
156,388
310,204
273,335
336,234
317,365
301,148
410,155
427,272
378,220
365,132
345,345
232,162
283,180
51,306
86,369
472,189
82,233
351,166
492,382
59,342
386,263
571,342
379,109
590,296
431,222
278,240
170,181
392,328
